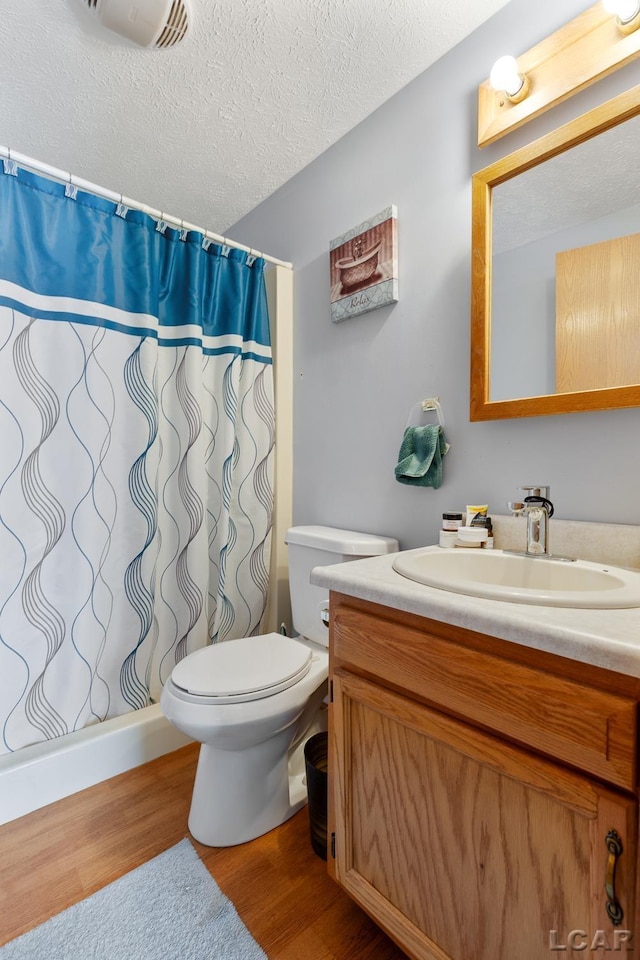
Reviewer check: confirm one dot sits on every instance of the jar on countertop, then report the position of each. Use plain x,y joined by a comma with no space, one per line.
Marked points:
452,521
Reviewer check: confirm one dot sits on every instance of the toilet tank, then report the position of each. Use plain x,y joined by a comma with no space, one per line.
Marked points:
311,547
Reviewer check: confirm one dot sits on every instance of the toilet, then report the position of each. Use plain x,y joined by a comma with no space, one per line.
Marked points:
253,703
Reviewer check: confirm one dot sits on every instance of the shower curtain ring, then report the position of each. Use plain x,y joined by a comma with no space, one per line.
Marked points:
9,165
70,189
121,209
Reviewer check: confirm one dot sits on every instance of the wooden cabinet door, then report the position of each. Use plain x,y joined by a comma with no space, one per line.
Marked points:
463,847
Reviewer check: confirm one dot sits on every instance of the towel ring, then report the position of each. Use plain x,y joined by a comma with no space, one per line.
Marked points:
422,407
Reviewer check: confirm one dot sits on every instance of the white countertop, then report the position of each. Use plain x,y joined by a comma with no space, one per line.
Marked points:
604,638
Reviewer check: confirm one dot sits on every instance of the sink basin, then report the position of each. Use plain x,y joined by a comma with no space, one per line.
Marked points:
501,576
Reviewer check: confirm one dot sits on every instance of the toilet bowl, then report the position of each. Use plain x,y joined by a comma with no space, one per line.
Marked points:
253,703
250,775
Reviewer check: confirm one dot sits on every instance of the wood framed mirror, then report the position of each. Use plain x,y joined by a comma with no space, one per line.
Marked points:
555,305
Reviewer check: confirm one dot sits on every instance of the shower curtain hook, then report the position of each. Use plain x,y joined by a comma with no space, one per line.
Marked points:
121,209
70,189
9,165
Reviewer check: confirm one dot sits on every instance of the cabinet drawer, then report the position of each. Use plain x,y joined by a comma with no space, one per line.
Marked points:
584,726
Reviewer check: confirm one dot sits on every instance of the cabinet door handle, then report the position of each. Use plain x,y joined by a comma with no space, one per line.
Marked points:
614,846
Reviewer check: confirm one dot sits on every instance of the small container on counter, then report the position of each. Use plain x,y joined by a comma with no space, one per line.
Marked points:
489,544
452,521
472,536
448,538
486,523
476,510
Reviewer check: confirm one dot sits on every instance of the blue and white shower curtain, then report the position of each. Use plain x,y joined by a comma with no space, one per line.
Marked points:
136,454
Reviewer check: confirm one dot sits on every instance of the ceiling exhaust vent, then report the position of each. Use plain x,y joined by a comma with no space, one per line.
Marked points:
149,23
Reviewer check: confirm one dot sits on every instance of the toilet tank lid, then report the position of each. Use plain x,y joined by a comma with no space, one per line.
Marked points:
345,542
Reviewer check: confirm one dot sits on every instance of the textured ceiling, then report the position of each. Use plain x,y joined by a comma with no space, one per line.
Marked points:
208,129
569,190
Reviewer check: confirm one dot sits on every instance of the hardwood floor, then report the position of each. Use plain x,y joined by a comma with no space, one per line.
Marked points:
56,856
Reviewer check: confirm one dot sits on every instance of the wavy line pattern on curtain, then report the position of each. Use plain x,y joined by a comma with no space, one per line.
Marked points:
137,441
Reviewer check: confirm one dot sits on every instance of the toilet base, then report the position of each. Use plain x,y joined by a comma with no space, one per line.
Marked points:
239,795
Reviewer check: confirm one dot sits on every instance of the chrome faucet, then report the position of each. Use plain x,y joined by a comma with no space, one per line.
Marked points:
538,510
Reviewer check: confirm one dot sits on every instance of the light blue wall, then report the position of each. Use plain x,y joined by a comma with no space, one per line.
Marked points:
355,382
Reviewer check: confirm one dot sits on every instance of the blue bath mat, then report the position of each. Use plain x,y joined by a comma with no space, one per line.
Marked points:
168,909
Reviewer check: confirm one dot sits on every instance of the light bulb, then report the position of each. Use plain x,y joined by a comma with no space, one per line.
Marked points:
506,76
625,10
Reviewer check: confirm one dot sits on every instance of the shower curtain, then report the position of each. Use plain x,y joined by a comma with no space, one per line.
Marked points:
136,454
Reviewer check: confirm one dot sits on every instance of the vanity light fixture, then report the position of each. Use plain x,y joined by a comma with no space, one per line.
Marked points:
506,77
575,56
626,12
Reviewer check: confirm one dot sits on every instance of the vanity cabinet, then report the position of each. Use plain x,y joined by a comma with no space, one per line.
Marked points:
483,794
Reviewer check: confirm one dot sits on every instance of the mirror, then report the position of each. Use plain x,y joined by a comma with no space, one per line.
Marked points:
555,311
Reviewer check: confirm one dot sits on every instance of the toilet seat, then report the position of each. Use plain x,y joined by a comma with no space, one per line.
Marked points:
237,671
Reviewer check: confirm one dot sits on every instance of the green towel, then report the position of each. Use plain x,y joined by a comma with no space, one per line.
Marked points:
420,456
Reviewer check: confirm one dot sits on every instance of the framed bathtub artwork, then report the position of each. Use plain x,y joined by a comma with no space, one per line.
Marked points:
363,265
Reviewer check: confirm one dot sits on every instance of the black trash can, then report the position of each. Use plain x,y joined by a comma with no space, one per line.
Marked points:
316,755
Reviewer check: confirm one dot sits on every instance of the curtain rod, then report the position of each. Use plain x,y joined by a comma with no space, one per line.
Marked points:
64,177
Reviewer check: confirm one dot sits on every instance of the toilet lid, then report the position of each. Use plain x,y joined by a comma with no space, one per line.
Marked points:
246,669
